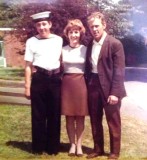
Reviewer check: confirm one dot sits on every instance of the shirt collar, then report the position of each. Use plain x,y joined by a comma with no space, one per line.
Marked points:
101,40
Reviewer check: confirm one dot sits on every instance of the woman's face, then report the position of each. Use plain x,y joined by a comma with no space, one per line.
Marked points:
74,36
43,28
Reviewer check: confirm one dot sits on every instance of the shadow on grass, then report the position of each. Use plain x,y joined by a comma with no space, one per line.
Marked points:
26,146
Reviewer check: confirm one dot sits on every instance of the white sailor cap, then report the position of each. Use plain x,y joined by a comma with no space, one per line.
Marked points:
41,16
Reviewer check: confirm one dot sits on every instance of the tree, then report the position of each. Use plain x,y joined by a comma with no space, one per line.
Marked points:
135,44
18,16
65,9
3,13
61,12
118,16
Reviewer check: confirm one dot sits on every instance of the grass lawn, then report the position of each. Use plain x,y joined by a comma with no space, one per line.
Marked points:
15,137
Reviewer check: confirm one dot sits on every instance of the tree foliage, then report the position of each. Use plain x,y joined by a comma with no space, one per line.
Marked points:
18,16
117,14
3,16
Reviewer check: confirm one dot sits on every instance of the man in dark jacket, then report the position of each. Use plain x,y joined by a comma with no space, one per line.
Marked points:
105,65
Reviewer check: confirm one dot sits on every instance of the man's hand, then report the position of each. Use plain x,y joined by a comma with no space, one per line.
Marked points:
112,100
28,74
27,93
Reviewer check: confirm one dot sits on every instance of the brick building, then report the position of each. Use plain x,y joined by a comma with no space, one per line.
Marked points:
11,50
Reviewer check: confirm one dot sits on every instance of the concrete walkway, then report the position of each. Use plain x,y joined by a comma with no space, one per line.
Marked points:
12,92
135,104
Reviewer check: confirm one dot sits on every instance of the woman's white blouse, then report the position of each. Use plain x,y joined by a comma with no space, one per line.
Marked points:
74,59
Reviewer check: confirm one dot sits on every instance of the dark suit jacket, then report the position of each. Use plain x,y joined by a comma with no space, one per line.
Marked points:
111,67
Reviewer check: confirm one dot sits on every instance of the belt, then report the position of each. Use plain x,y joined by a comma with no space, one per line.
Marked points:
94,75
47,72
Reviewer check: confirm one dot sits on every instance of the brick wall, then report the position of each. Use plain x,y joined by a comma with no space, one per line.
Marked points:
11,48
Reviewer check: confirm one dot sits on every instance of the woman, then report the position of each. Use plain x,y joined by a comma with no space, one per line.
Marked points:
74,92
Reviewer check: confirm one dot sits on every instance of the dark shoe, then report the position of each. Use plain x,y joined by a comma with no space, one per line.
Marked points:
79,151
72,151
79,155
71,154
52,153
37,153
94,154
113,157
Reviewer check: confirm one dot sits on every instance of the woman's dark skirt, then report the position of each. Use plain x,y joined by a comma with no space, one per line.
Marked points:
74,95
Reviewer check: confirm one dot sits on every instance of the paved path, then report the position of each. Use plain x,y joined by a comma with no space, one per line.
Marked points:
135,104
12,92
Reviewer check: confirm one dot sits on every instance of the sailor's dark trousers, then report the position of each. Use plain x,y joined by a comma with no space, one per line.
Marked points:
45,104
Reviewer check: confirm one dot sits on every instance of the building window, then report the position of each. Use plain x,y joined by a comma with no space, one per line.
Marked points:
2,57
1,48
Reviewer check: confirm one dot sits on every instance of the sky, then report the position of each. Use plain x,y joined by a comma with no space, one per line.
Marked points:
139,16
116,1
